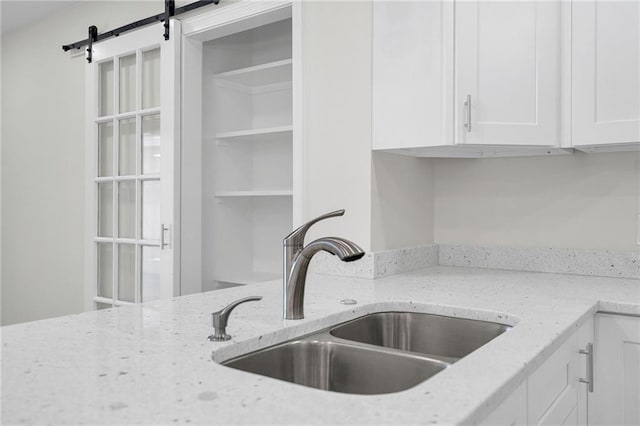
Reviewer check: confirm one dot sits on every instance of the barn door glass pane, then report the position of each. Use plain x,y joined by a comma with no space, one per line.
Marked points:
151,210
150,273
105,88
126,208
105,209
127,147
151,144
105,270
151,78
128,83
126,272
105,149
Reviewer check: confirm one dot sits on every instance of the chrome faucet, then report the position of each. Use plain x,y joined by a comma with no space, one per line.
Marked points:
296,259
221,317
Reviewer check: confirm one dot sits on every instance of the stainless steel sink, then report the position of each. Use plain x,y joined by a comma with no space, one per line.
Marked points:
440,337
374,354
339,367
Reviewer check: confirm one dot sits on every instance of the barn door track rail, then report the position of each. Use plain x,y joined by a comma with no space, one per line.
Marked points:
170,10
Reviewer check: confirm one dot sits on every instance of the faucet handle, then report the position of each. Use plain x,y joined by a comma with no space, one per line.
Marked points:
296,238
220,318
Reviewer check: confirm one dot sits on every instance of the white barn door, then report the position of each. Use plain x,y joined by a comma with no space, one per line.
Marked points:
132,93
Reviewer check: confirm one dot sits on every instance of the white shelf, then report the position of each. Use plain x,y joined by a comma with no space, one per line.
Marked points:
268,193
243,192
220,285
248,277
256,135
259,75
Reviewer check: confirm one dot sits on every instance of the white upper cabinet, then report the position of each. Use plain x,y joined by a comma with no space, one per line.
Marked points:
605,73
412,74
488,78
466,79
507,72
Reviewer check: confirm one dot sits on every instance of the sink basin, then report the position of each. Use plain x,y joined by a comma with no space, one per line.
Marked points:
375,354
439,337
339,367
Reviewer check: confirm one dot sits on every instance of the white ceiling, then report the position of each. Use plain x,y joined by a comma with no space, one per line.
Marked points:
18,13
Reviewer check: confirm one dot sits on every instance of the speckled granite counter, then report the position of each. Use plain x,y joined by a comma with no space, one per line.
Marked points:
152,363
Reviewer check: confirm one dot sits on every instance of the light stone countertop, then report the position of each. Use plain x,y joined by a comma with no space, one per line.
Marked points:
152,363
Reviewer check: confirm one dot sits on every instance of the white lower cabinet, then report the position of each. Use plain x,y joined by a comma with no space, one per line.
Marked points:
552,394
512,412
553,388
580,383
586,343
616,395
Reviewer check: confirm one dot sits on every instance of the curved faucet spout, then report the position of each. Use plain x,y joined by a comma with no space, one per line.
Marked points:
346,250
295,282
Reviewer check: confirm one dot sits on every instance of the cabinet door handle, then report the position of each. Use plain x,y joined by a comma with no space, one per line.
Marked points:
467,113
589,353
163,243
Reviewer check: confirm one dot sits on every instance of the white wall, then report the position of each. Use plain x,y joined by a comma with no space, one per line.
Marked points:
402,201
337,117
43,159
588,201
0,177
388,198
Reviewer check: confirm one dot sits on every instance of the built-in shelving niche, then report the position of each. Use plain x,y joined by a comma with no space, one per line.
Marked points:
247,158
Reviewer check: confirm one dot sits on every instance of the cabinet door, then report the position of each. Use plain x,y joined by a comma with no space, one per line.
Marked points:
553,388
412,74
605,72
616,395
585,336
507,72
512,412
